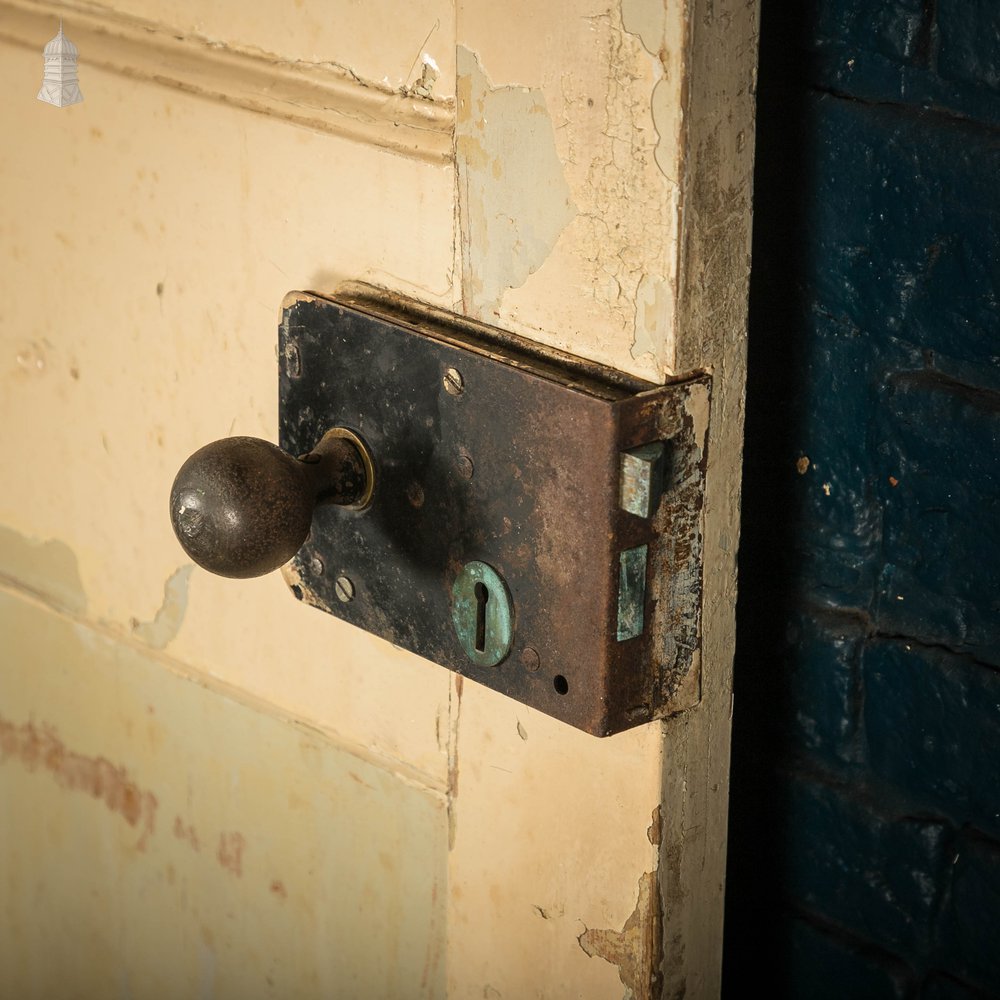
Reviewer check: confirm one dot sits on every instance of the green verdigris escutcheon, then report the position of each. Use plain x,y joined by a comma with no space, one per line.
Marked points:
483,614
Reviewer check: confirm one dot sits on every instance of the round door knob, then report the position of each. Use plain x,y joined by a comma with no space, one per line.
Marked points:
242,507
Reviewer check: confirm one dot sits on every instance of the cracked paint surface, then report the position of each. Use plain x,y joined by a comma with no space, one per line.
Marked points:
514,201
607,288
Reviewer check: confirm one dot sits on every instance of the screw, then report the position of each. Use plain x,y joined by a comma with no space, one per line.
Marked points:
316,566
345,589
453,382
465,467
529,659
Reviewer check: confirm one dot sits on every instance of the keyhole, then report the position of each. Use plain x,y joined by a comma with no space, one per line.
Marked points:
482,596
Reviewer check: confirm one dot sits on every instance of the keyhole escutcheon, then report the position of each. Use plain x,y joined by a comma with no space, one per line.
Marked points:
483,614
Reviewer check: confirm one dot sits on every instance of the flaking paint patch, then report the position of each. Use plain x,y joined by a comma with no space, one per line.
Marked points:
167,621
637,949
624,172
47,570
649,21
653,302
38,747
655,830
696,406
514,201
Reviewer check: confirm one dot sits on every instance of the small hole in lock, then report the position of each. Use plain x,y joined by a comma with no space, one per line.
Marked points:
482,596
560,684
297,591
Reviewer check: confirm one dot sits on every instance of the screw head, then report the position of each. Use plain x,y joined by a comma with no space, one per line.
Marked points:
465,467
345,589
453,382
316,566
529,659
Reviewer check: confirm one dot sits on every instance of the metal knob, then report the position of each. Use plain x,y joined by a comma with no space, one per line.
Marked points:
242,507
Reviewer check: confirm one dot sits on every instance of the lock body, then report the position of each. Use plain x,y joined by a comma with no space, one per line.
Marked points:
495,456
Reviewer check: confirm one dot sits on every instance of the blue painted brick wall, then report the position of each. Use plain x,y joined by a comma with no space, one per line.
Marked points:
865,829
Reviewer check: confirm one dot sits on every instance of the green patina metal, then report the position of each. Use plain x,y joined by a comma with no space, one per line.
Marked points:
483,614
631,592
642,478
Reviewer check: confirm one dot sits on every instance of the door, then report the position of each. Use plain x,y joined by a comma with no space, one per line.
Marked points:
207,788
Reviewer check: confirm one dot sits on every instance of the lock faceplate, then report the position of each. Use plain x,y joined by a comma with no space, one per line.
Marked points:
490,449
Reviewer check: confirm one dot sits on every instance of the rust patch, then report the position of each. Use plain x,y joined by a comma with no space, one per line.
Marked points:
230,852
637,949
40,748
187,833
278,889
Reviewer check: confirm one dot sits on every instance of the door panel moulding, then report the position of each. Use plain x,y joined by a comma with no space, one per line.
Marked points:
107,635
323,97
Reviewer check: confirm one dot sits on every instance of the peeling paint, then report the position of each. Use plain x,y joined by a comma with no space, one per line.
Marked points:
653,303
428,77
697,406
637,949
655,829
167,621
514,201
649,21
615,271
47,570
38,747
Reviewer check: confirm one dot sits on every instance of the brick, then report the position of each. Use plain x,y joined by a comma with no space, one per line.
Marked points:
902,214
970,940
902,52
939,987
862,867
822,966
892,29
940,572
820,665
932,727
900,285
969,41
839,531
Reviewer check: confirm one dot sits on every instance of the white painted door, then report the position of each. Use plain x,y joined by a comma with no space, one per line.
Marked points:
206,788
